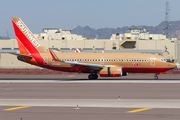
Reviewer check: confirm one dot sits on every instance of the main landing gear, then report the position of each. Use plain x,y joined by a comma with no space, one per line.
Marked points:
93,76
155,77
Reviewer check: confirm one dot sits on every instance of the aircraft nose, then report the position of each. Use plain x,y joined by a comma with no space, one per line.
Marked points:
178,65
173,65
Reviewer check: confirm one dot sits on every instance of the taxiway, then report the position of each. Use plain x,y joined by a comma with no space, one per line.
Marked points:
131,97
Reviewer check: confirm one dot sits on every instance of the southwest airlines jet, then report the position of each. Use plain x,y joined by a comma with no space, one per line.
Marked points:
102,64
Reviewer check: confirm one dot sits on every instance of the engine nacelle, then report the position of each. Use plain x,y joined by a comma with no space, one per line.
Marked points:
112,72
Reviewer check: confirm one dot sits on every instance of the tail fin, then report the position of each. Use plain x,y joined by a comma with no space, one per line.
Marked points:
27,43
77,50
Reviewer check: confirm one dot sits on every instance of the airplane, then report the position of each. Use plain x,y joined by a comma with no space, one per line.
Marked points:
102,64
77,50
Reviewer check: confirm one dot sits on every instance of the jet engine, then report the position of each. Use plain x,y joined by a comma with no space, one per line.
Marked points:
112,72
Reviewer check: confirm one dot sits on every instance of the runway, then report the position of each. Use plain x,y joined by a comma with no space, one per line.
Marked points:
132,97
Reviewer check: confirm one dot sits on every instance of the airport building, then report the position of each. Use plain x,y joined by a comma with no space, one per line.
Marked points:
63,40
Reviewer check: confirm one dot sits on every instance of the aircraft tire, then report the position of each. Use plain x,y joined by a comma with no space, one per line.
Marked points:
90,77
156,77
95,76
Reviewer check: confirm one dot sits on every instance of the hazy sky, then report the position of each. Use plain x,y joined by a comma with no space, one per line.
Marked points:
68,14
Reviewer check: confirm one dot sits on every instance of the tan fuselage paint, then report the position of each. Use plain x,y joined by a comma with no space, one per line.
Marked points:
123,56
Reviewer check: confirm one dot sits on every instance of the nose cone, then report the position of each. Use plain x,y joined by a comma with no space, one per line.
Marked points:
178,65
173,65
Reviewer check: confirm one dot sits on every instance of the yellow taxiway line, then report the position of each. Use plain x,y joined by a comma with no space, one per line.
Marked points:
138,110
15,108
70,75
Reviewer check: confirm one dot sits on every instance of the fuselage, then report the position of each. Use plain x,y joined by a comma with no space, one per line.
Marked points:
130,62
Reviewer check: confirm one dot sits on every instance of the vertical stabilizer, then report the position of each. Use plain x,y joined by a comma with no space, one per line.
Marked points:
27,43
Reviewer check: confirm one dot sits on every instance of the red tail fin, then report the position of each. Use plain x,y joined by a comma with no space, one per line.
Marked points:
27,43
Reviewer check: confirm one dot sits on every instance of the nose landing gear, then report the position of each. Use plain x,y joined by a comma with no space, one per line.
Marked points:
156,77
93,76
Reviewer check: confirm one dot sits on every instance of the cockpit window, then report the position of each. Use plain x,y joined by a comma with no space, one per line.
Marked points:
166,60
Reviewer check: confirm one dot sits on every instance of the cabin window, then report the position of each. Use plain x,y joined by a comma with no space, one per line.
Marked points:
67,59
52,60
129,60
82,60
114,60
72,59
95,59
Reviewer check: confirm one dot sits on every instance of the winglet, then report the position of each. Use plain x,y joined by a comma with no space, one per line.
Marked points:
55,58
77,50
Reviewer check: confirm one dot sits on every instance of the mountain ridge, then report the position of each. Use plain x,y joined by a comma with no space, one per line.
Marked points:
106,33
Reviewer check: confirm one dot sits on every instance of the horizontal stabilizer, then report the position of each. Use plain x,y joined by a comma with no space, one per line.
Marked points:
24,56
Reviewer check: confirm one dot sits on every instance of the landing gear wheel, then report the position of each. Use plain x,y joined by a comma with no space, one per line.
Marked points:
93,76
155,77
90,76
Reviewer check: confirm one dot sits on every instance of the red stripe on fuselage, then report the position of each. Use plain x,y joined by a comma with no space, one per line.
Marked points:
125,70
145,69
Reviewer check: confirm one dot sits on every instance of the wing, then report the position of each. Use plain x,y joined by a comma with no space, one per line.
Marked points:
80,66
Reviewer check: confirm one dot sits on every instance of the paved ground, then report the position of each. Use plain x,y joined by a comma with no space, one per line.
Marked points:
69,113
75,76
141,97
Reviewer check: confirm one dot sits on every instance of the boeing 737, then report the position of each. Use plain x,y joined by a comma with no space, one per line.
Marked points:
102,64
